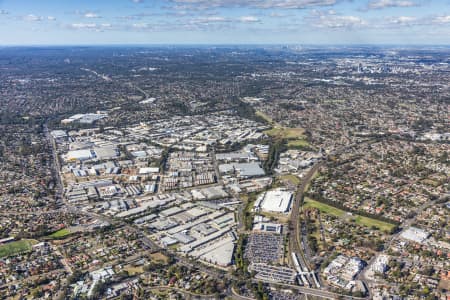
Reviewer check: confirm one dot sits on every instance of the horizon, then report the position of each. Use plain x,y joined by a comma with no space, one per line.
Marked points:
225,45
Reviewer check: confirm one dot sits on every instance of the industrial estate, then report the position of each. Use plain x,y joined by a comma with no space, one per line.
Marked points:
224,173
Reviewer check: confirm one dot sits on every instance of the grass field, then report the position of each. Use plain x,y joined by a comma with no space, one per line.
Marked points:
360,220
134,270
328,209
294,136
14,248
60,233
365,221
298,144
286,133
264,116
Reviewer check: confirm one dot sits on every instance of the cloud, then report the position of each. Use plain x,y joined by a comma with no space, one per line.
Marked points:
330,19
51,18
249,19
380,4
441,20
264,4
3,12
137,1
210,19
138,16
32,18
83,25
91,15
90,26
402,20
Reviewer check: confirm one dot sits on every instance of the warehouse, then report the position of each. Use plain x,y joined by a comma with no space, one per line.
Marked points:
415,234
278,201
80,155
107,152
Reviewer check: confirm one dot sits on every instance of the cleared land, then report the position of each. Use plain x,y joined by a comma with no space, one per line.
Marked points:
134,270
328,209
265,117
14,248
60,233
360,220
298,144
294,136
286,133
292,178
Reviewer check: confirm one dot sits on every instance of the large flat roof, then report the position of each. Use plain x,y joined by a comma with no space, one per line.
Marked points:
277,201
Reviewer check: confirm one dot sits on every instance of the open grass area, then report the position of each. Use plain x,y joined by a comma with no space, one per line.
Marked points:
298,144
60,233
159,257
368,222
286,133
294,136
265,117
360,220
134,270
14,248
325,208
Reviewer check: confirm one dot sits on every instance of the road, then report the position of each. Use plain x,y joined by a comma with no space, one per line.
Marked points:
295,242
313,292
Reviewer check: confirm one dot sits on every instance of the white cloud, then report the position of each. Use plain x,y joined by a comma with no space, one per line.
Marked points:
441,20
91,26
249,19
281,4
3,12
83,25
140,25
137,1
330,19
91,15
32,18
51,18
402,20
380,4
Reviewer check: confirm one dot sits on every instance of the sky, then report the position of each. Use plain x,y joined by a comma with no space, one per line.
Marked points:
101,22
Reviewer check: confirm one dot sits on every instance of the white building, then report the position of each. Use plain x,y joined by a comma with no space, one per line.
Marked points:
278,201
380,264
415,234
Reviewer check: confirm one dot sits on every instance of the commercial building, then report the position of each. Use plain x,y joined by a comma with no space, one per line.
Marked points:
278,201
415,234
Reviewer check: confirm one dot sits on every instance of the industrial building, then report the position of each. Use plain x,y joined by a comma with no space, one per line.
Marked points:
278,201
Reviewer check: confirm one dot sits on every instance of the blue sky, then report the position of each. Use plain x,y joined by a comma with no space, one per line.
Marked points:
61,22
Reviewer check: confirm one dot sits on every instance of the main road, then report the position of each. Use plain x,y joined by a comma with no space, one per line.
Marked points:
295,241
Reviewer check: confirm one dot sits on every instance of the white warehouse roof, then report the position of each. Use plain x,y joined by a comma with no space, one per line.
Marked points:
278,201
